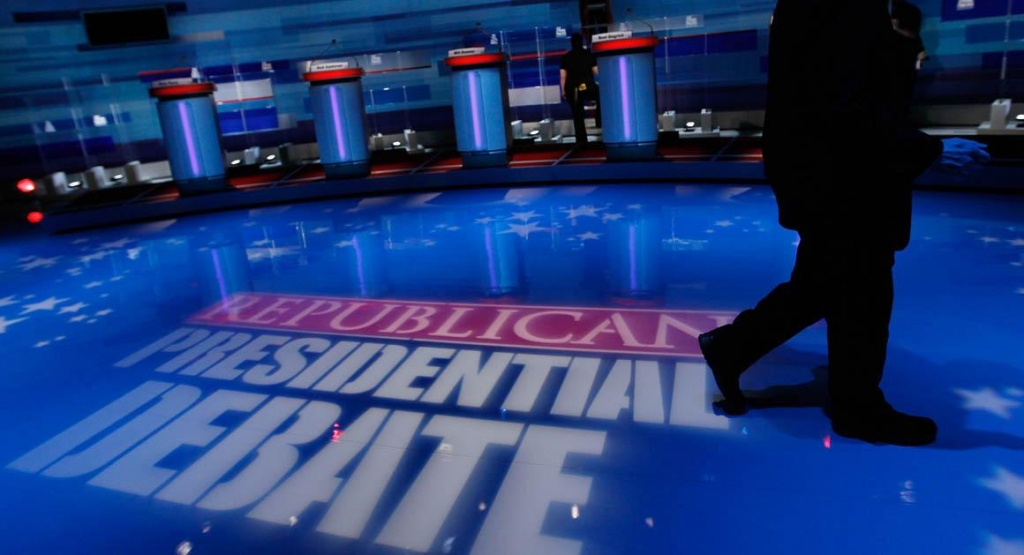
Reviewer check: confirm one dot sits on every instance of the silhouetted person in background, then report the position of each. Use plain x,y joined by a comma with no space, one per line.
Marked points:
579,67
849,197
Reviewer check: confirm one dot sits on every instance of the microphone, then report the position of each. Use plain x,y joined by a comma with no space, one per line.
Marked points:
629,11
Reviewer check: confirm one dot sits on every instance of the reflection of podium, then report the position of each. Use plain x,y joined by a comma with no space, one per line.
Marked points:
191,134
339,114
628,99
480,104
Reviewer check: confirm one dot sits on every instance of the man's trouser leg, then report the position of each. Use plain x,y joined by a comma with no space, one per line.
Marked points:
858,312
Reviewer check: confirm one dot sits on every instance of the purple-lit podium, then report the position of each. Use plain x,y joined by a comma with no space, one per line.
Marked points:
628,96
480,104
339,115
188,119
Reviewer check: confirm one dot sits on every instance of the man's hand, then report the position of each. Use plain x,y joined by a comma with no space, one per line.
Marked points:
960,155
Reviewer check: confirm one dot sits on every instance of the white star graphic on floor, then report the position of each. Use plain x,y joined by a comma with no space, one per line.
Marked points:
72,308
8,301
724,223
1017,242
319,230
634,207
48,304
1015,391
260,243
582,211
987,400
484,221
1000,546
41,344
103,312
5,323
39,263
99,255
79,241
93,284
343,244
611,217
524,216
523,230
1007,484
119,244
987,240
78,318
589,236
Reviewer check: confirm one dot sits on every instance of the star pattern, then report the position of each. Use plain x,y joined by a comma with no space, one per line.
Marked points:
38,263
524,216
8,301
524,230
1000,546
72,308
1016,242
5,323
987,400
98,255
119,244
48,304
1007,484
581,212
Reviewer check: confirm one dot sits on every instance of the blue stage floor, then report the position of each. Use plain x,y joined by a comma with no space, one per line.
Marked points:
493,372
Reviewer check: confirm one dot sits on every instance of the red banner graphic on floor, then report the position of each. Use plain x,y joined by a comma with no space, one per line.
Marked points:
605,330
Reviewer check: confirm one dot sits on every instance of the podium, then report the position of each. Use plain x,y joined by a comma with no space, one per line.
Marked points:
339,116
628,97
188,119
480,104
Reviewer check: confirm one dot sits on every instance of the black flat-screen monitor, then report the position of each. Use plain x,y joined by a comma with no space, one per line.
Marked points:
126,26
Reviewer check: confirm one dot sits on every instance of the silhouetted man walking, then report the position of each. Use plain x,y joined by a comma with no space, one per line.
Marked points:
848,194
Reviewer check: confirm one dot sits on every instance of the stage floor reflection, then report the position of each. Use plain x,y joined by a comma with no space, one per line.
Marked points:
496,371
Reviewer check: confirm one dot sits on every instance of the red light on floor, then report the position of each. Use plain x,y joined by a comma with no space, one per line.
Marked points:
27,186
828,442
35,217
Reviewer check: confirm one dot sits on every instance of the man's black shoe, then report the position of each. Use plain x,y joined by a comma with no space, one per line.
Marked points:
727,376
886,426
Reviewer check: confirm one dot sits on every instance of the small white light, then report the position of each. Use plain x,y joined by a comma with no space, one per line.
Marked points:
271,157
387,88
535,132
118,177
236,162
396,143
74,184
1020,117
575,512
691,124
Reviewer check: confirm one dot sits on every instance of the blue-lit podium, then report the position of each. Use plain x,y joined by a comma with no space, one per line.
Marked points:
191,135
628,97
480,102
339,114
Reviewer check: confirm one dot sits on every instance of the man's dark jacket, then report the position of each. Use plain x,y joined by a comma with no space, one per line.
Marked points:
838,153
